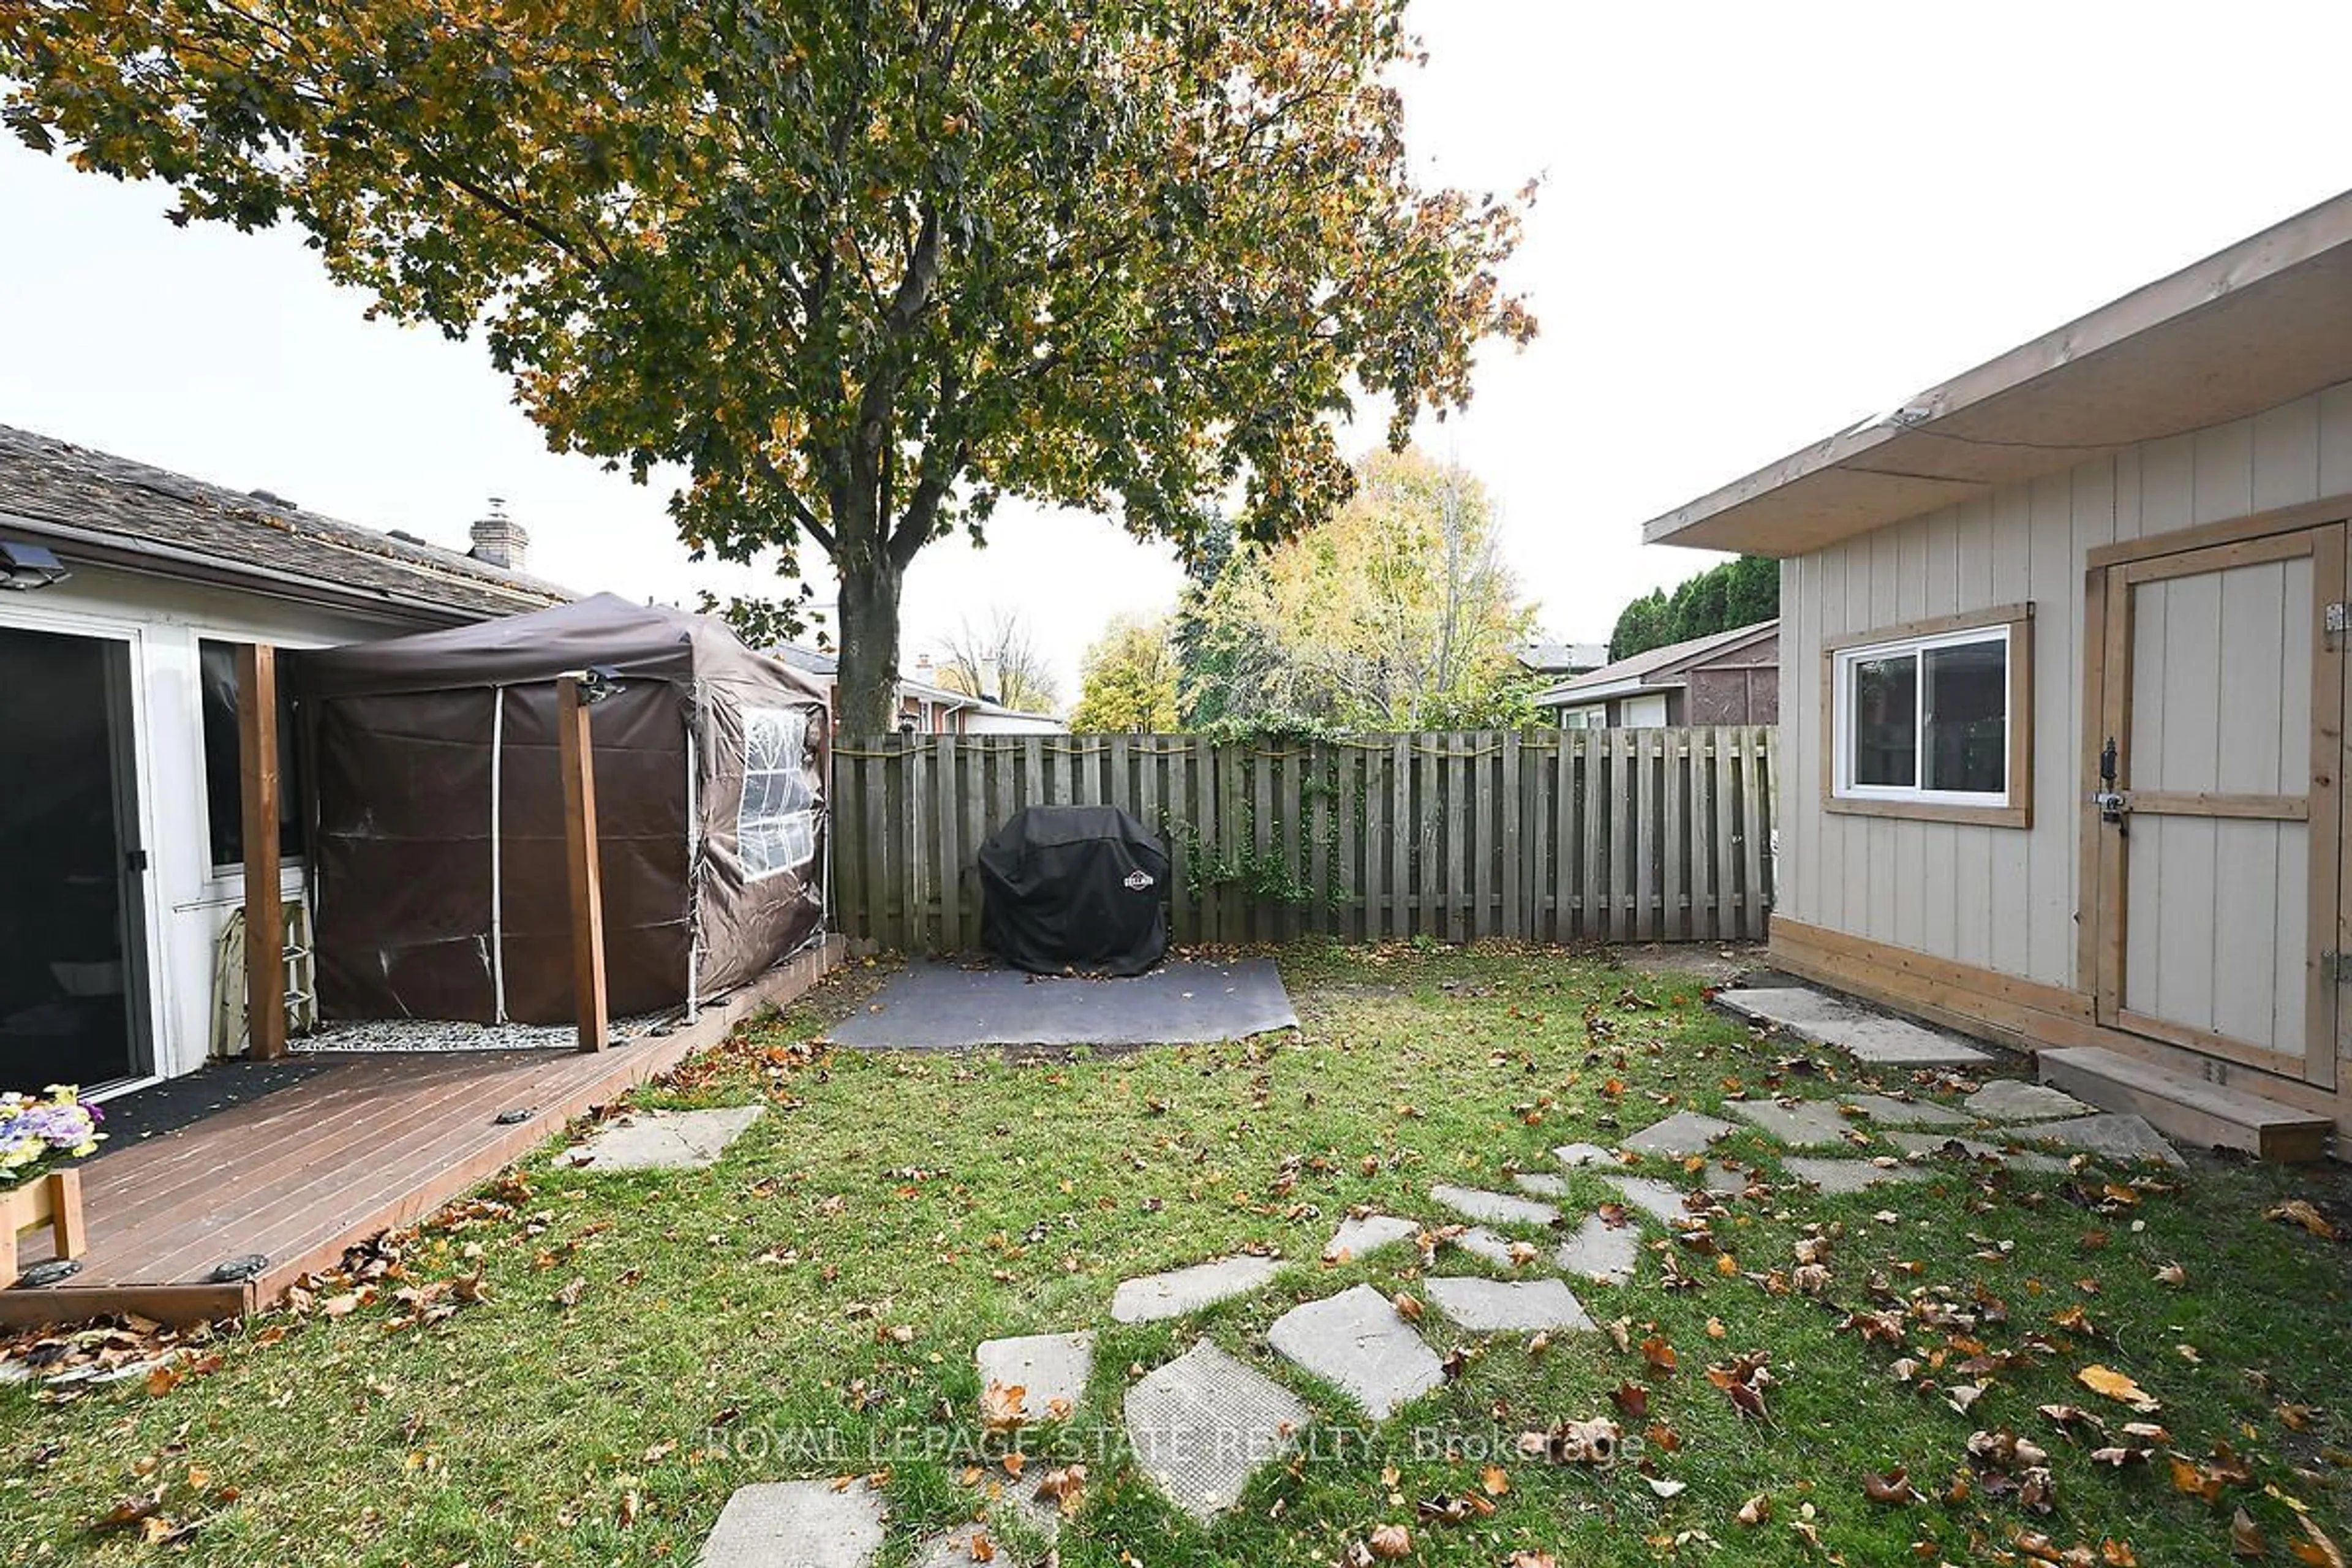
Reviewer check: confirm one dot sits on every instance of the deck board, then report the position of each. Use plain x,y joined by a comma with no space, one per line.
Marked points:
372,1142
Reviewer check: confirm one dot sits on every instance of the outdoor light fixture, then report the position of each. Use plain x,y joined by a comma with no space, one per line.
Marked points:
597,682
27,566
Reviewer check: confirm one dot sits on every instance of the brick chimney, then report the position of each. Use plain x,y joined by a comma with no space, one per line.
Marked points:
500,539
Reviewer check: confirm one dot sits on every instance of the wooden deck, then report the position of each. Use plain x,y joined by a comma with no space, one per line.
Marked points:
373,1143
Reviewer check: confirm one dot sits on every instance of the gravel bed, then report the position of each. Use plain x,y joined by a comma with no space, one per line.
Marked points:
436,1034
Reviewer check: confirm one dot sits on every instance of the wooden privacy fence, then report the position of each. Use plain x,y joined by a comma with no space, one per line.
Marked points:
1543,836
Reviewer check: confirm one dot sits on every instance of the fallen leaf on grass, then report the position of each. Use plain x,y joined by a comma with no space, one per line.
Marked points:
1001,1406
1894,1487
1755,1510
2116,1386
2296,1211
2246,1537
1392,1540
1743,1382
1444,1509
1593,1442
2316,1549
1063,1488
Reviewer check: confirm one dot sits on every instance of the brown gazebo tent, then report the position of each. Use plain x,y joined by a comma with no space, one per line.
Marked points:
437,814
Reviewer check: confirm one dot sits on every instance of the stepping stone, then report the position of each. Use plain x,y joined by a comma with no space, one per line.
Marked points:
1684,1133
1920,1145
1540,1185
1807,1122
664,1140
1479,1242
1578,1155
1661,1200
809,1524
1840,1176
1518,1306
953,1548
1888,1111
1497,1208
1358,1340
1201,1426
1362,1237
2110,1136
1600,1251
2014,1099
1044,1367
1183,1290
1861,1032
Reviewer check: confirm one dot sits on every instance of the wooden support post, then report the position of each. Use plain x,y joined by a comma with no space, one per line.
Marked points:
265,917
55,1201
577,749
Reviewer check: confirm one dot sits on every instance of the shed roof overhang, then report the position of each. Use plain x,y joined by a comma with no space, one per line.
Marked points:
2262,324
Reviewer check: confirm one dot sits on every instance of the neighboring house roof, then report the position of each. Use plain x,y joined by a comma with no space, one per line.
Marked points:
2262,324
1660,669
1546,656
109,510
827,668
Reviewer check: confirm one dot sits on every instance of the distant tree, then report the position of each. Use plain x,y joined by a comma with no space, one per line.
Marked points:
1204,664
1397,614
1751,590
1696,607
1024,677
1731,593
1128,681
1641,627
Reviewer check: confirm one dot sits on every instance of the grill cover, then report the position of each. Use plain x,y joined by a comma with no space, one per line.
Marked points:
1075,886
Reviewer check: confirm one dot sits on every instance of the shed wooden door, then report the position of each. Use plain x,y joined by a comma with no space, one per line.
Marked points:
2218,892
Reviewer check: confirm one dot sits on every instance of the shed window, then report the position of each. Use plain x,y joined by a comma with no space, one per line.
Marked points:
776,829
1927,720
223,790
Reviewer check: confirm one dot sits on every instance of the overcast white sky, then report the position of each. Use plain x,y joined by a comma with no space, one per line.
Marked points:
1762,223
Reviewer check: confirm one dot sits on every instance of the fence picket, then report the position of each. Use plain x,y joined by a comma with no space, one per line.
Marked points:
1725,845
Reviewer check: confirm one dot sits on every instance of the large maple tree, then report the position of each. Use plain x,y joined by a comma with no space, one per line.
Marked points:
861,267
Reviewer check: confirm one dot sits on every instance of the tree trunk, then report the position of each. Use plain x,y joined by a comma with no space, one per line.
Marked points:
867,690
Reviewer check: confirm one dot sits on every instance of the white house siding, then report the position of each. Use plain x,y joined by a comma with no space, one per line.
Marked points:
2001,898
186,904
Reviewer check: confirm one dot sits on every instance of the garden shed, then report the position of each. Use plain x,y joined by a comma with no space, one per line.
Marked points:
436,805
2062,695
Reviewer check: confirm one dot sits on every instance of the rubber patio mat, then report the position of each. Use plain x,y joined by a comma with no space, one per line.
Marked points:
942,1007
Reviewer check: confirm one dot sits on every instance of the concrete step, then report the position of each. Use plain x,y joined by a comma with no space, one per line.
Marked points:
2188,1110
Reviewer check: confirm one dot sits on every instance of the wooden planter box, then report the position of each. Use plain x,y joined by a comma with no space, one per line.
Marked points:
54,1200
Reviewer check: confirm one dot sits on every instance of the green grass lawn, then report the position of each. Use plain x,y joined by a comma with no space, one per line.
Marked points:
646,1343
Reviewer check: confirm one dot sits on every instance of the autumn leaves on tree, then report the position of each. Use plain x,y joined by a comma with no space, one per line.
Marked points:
859,268
1396,613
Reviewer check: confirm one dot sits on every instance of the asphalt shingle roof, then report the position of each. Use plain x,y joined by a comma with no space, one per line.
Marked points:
1641,666
142,510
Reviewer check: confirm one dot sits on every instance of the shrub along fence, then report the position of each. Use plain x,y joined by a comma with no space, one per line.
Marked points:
1539,835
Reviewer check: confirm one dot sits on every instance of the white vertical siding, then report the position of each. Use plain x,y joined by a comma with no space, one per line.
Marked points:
2004,899
188,902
